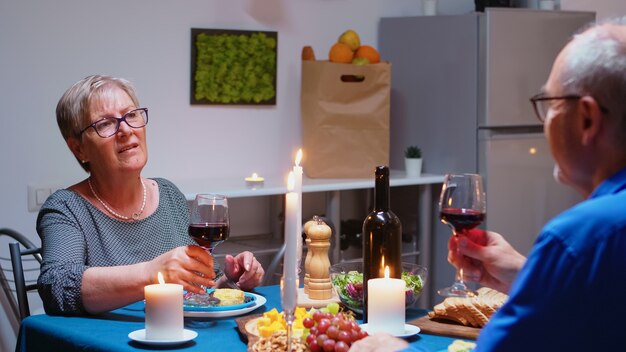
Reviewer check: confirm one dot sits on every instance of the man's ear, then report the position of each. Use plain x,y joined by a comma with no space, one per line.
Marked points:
76,147
592,119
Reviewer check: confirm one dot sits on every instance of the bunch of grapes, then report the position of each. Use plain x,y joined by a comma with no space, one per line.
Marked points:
332,332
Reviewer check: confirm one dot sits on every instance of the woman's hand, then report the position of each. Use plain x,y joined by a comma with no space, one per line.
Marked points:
189,266
243,269
486,257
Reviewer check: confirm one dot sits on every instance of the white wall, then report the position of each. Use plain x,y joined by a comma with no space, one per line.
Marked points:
603,8
45,46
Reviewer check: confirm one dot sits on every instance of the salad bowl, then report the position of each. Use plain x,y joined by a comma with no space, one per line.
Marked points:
347,280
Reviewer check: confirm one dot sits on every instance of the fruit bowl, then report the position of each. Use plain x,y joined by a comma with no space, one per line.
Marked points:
347,280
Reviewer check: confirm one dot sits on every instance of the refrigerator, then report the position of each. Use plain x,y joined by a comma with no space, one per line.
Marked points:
460,90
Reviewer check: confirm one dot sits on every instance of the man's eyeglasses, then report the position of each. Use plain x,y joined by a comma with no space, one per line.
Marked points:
541,104
109,126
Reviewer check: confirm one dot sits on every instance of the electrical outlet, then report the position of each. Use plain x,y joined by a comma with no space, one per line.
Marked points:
37,195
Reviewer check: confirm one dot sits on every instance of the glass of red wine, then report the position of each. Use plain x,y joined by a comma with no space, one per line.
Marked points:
209,221
462,206
209,225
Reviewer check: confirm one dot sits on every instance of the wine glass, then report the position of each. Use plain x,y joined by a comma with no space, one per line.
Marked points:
462,206
209,225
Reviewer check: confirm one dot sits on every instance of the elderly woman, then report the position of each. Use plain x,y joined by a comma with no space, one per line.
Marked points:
108,236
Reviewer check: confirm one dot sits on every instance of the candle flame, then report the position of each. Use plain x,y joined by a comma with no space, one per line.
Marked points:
160,277
298,157
291,181
387,272
255,175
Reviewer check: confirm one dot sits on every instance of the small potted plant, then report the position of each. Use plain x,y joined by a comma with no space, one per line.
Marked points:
413,161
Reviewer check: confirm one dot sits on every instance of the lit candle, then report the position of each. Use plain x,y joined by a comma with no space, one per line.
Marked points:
254,180
385,305
290,273
297,171
164,311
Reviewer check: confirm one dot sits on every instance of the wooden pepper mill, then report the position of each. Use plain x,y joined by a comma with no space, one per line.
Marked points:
317,265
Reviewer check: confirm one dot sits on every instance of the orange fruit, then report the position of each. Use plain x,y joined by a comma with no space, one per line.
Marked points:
369,53
340,53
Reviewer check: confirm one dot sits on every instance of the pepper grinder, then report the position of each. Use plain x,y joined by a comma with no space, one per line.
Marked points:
309,253
317,282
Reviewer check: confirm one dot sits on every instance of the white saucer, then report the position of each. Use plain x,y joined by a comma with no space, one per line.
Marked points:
409,330
140,336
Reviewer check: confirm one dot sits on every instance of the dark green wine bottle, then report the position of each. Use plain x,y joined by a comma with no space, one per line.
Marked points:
382,237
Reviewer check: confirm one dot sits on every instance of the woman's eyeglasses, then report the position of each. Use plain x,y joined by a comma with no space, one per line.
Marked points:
109,126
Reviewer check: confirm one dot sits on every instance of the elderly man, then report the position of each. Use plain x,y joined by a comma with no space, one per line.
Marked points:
569,294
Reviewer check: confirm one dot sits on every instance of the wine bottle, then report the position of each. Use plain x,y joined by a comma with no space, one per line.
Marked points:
382,237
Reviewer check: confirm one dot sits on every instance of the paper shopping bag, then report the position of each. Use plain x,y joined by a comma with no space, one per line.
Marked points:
345,118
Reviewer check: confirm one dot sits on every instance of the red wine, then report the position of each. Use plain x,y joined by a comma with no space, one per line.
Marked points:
209,235
382,237
461,219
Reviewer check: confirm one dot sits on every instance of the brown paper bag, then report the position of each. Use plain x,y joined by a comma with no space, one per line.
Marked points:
345,118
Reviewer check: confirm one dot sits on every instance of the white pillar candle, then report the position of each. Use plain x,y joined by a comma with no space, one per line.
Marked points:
164,311
297,188
385,305
290,273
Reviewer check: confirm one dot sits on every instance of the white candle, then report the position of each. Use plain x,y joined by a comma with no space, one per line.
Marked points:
290,273
255,180
164,311
297,171
385,305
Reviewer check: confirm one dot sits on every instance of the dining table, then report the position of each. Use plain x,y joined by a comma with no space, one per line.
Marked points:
110,331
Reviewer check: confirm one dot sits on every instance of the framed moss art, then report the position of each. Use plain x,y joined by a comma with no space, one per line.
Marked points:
233,67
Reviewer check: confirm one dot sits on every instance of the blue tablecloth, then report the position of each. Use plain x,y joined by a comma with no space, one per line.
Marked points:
109,332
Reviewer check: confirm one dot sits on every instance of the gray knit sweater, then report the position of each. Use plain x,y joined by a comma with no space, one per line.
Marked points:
75,235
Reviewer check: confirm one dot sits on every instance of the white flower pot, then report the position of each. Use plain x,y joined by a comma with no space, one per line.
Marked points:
413,167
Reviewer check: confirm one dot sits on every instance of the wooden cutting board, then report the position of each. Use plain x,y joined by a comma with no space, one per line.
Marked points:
445,328
244,324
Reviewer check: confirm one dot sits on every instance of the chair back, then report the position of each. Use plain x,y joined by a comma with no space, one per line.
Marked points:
21,287
13,278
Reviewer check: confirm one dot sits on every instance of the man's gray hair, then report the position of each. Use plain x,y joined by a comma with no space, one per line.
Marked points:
595,65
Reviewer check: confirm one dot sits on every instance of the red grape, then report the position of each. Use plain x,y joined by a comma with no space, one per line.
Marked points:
335,321
332,332
344,336
311,338
341,346
308,323
318,315
328,345
314,331
354,335
323,325
345,325
363,334
314,347
321,338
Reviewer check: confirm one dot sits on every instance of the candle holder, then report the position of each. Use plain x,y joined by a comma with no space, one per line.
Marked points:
254,181
289,298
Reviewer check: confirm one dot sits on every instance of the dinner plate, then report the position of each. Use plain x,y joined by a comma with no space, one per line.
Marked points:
409,330
249,300
140,336
230,311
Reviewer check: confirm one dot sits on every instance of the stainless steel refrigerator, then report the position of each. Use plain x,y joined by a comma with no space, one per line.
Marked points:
460,89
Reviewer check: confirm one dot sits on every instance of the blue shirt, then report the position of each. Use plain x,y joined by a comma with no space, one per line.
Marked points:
571,293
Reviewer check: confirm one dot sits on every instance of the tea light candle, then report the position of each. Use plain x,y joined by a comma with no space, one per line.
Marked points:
164,311
254,180
385,305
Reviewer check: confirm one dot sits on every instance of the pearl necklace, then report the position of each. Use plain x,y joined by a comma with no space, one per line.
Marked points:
135,216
